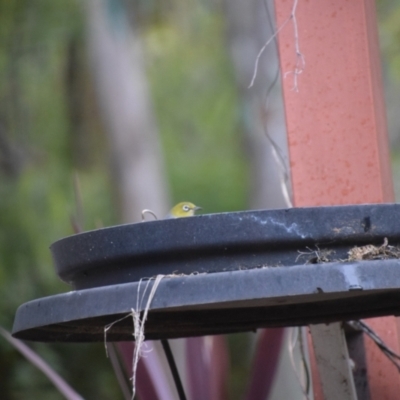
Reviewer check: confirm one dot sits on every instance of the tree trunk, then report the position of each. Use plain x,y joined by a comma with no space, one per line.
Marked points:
124,98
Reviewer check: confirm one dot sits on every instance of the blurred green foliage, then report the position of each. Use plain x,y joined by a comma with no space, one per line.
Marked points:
197,109
389,35
50,128
389,30
43,141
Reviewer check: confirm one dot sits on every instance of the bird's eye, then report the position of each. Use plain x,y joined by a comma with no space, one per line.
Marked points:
185,208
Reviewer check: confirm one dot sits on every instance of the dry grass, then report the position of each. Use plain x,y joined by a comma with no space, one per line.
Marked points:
357,253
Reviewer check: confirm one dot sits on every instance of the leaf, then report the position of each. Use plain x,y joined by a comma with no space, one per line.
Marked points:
62,386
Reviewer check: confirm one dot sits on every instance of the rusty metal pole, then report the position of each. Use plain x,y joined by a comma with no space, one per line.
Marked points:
336,126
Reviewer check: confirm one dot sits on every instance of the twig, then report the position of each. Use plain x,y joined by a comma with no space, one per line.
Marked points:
300,60
263,49
62,386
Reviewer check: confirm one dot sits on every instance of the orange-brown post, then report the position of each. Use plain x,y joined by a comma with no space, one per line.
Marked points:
336,125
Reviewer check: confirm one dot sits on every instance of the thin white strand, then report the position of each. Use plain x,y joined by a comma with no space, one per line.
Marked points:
107,328
262,51
139,330
300,60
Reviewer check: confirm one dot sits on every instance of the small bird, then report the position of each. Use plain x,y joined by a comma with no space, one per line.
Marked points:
180,210
183,209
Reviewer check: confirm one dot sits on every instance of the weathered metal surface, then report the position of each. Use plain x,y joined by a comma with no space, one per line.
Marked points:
222,242
218,303
356,346
333,361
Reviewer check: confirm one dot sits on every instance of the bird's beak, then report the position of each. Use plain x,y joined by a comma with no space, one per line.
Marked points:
197,208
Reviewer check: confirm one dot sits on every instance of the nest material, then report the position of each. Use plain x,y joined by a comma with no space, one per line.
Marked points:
357,253
371,252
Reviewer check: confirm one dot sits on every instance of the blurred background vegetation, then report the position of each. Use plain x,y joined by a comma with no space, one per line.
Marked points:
51,127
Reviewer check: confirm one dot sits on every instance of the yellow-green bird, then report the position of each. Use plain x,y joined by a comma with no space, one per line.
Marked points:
183,209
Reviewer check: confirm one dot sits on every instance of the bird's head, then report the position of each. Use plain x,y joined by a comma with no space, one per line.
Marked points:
184,209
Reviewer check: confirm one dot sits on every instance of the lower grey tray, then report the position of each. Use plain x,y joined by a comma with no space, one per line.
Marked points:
216,303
